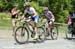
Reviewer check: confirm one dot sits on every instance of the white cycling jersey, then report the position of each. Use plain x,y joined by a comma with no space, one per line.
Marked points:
49,15
31,11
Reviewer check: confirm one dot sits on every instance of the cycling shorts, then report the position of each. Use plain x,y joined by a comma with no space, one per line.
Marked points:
35,18
51,20
14,16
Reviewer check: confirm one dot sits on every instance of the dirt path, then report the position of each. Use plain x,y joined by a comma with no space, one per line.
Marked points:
7,42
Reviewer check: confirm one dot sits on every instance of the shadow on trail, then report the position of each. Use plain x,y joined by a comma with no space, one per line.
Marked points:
39,41
48,39
73,38
35,42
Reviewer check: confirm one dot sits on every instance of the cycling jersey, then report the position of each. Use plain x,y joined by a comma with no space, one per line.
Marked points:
14,13
33,13
71,19
49,16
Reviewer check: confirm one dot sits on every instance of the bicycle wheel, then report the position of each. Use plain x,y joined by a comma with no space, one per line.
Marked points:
41,33
21,35
69,33
54,32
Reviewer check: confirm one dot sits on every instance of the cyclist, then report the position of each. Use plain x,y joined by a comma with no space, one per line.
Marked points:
14,16
49,16
71,19
71,22
34,17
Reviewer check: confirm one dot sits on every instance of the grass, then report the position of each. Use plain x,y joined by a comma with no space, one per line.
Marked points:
62,29
5,23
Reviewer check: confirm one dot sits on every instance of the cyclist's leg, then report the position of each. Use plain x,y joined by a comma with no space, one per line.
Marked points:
73,25
35,20
50,24
14,25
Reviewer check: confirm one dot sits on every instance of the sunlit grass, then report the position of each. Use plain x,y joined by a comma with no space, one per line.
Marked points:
5,24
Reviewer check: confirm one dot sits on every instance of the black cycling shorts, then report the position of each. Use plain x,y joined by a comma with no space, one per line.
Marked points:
14,16
73,19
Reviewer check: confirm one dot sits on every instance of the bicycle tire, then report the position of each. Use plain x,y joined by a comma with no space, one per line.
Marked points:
25,32
54,32
41,32
69,33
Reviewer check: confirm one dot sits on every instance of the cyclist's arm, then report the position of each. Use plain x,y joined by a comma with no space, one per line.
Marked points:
52,15
23,16
20,18
33,12
25,11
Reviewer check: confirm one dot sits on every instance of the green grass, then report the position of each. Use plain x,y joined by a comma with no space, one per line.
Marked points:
5,24
62,29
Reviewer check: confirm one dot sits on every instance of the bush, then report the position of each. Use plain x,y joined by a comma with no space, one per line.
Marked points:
37,8
62,16
4,15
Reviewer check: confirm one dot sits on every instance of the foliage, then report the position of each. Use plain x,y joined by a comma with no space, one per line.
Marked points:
63,16
37,7
60,8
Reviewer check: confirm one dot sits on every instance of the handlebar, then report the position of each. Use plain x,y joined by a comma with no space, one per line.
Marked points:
24,20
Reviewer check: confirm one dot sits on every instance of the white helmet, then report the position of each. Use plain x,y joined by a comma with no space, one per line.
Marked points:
27,4
45,8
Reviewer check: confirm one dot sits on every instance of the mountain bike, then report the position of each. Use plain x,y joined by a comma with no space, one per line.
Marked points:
70,32
23,32
53,32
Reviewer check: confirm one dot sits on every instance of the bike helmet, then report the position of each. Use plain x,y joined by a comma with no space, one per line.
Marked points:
45,8
27,4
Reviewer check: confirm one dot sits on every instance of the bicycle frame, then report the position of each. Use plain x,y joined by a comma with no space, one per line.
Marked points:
27,24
